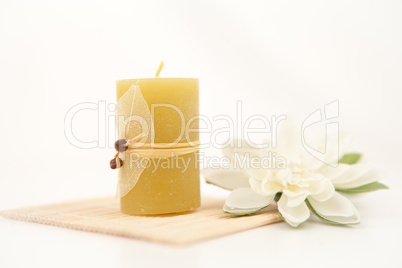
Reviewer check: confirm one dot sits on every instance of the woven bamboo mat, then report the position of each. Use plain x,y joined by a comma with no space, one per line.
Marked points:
103,216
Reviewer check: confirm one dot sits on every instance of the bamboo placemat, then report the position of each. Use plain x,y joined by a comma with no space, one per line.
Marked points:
104,216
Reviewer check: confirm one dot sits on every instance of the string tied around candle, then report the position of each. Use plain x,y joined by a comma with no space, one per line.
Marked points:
137,135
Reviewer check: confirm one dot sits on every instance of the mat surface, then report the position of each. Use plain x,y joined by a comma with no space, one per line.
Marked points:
103,216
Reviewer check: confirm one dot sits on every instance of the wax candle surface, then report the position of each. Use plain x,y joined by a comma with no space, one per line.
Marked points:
163,187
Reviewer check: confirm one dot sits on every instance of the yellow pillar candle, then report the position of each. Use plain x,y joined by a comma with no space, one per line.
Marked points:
173,184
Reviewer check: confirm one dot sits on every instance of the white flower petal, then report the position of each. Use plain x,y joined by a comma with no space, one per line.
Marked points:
337,147
352,173
257,173
225,178
270,187
314,149
326,193
256,186
345,140
333,172
325,149
293,215
368,177
293,194
284,174
296,201
317,184
239,211
246,198
337,209
337,205
354,219
288,138
312,160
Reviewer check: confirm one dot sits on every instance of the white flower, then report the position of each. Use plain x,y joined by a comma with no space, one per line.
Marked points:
308,182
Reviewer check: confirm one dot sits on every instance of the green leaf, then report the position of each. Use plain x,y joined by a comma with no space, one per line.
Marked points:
350,159
296,226
374,186
277,196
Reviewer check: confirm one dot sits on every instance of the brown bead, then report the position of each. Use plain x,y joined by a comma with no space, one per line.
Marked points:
121,145
113,164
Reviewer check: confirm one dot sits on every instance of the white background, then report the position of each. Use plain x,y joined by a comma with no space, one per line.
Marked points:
274,56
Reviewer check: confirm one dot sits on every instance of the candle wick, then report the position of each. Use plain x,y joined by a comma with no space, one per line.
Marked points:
159,70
